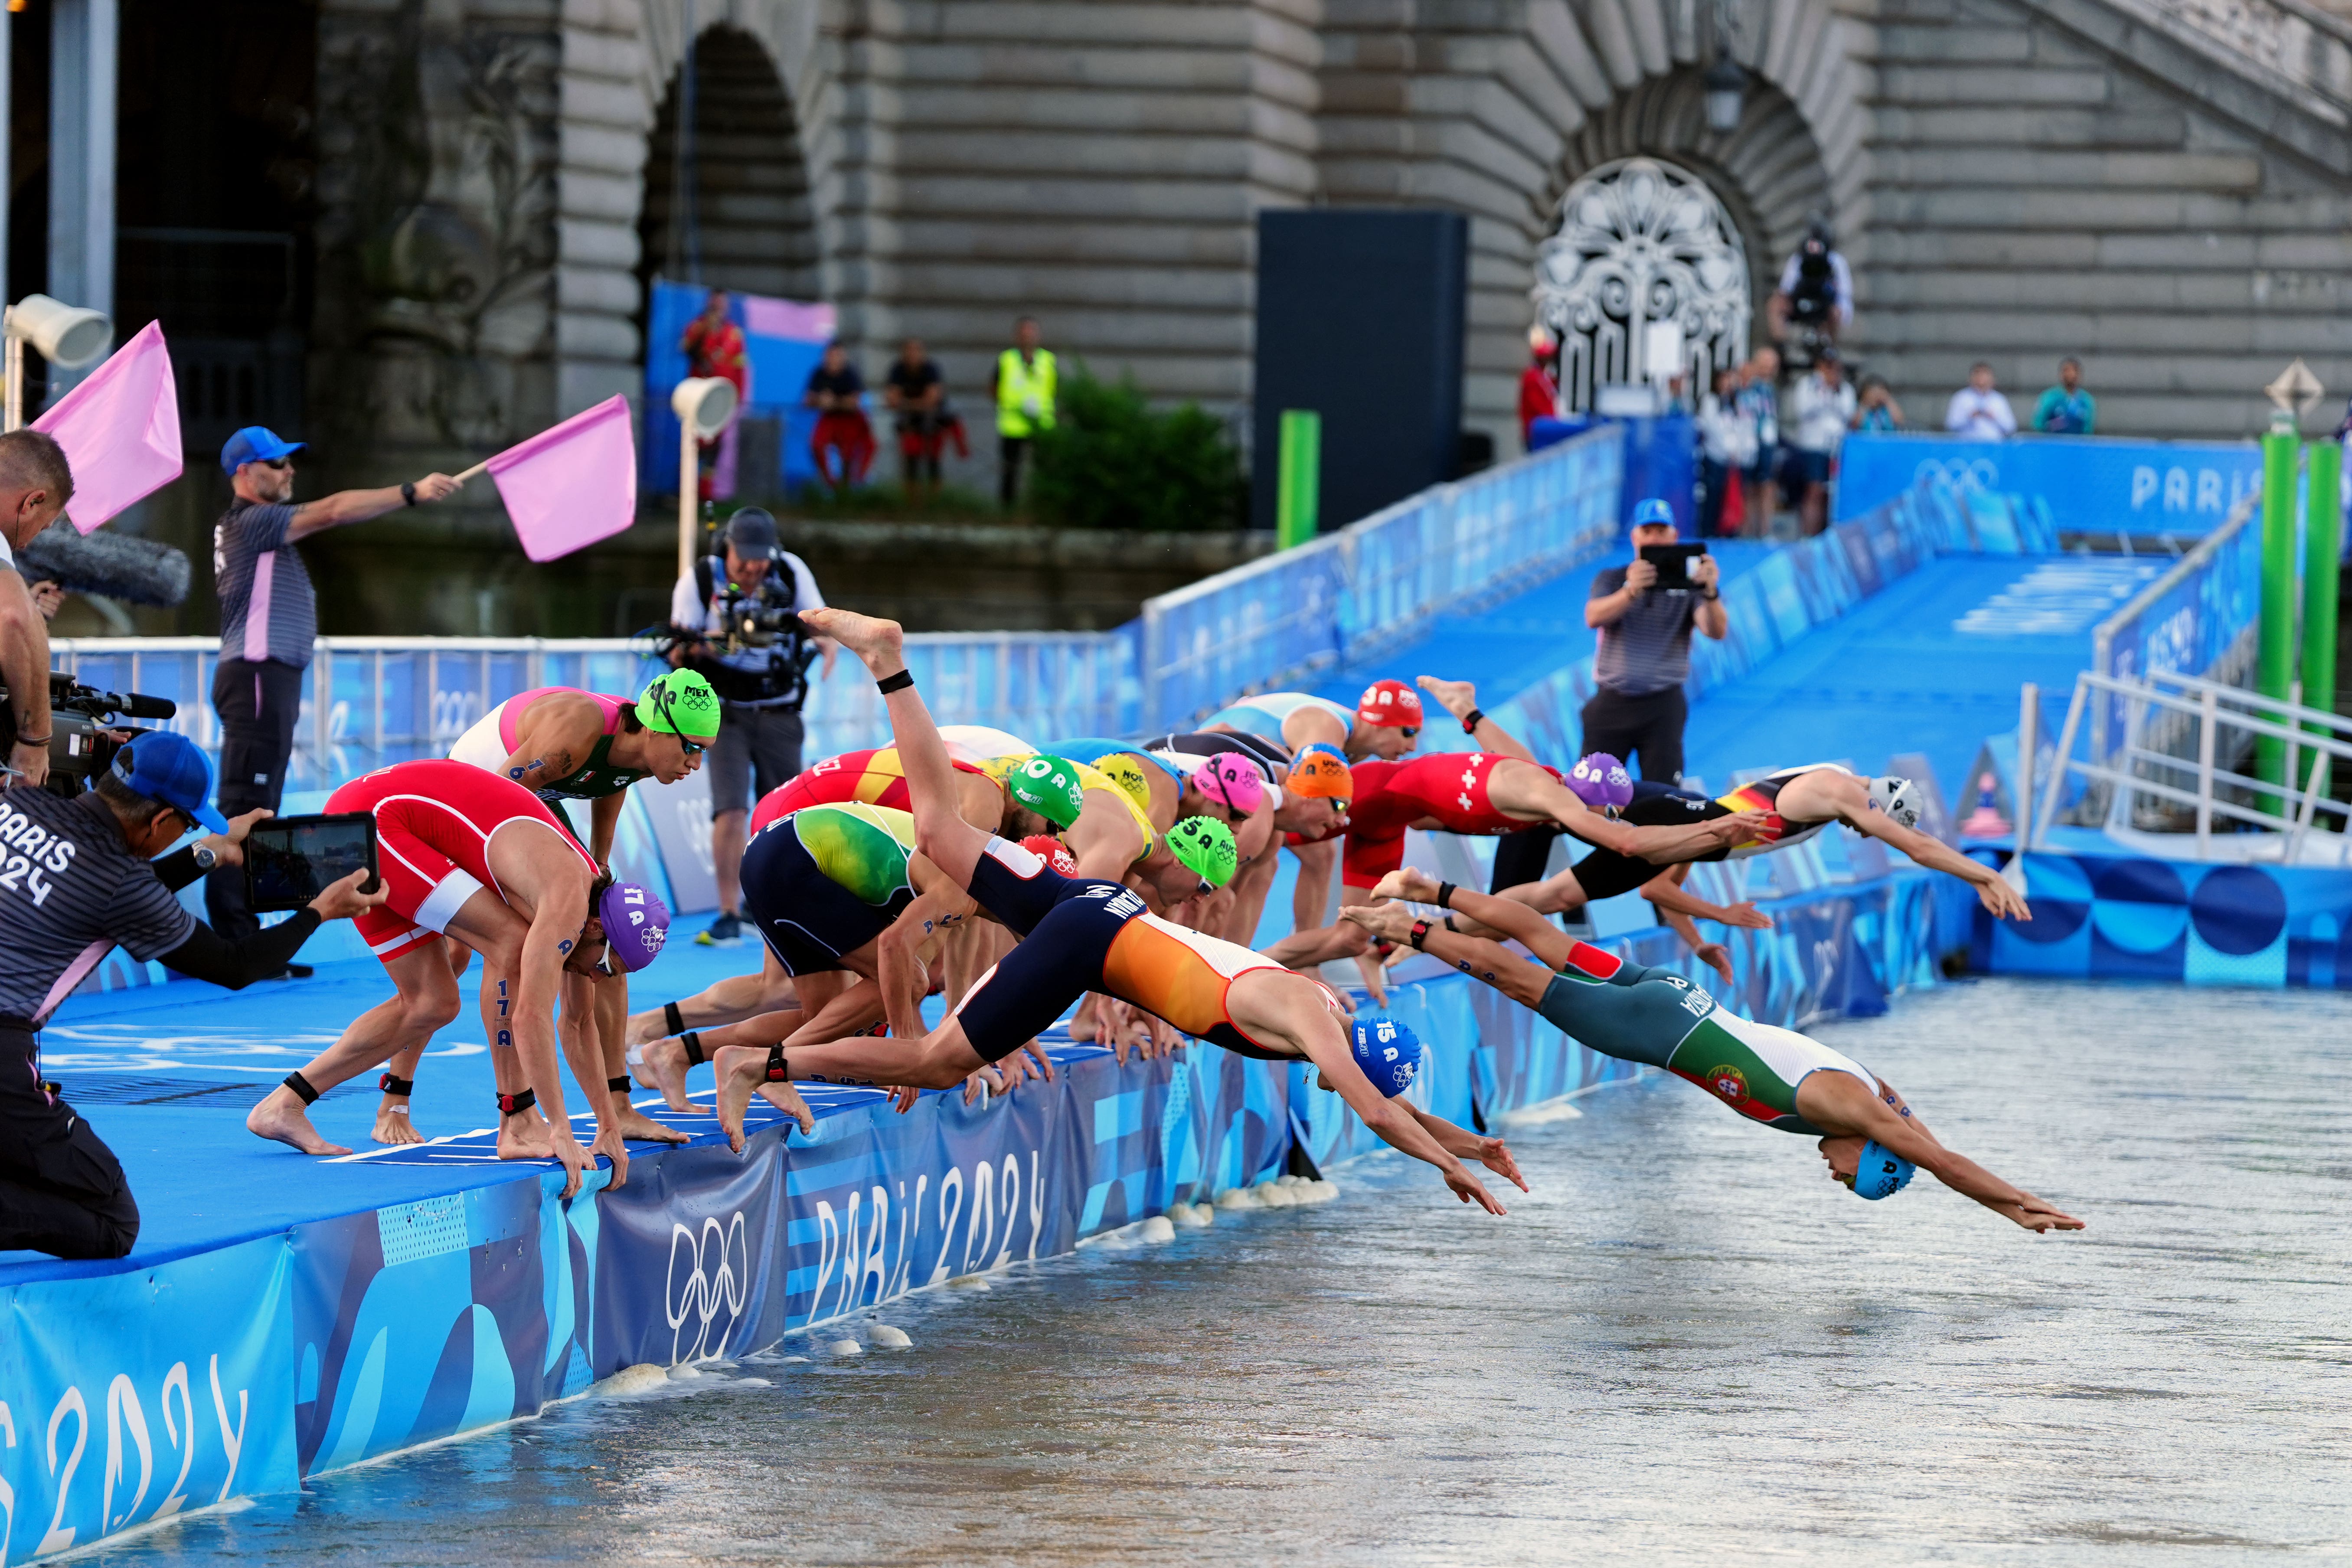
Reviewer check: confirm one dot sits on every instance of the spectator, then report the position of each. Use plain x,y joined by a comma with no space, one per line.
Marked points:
1727,447
1824,407
1978,410
714,347
917,394
1816,293
269,619
1538,384
2067,408
1023,385
838,393
1759,404
1878,413
1645,652
35,485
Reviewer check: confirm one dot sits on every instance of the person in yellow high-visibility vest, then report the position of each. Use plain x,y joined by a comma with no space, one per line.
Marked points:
1022,384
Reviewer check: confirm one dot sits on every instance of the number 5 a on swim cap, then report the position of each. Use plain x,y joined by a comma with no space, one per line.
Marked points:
1388,1052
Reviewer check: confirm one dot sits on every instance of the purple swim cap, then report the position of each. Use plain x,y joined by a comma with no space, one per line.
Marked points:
636,924
1601,781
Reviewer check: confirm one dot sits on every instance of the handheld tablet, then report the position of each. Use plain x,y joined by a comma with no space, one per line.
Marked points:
1672,562
289,860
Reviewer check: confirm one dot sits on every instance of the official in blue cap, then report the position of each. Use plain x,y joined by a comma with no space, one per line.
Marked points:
269,619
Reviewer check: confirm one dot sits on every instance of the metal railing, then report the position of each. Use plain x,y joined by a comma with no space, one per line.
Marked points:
2198,619
1278,620
2317,743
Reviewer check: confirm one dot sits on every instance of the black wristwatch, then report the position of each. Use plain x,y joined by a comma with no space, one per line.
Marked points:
409,492
206,859
1712,594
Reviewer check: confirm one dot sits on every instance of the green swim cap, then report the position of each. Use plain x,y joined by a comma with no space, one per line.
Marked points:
681,703
1048,786
1205,847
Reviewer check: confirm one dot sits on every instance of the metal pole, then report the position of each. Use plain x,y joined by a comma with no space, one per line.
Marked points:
686,486
2029,718
2275,661
2294,747
2065,753
2208,715
1297,493
2322,547
12,358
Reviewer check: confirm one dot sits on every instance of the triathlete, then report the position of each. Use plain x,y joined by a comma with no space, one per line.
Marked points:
1313,789
1637,1013
480,858
1084,934
563,744
1230,792
1798,804
1386,719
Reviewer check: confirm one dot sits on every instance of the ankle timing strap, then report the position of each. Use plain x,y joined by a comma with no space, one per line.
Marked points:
515,1104
391,1084
617,1085
776,1069
695,1055
672,1022
301,1088
898,682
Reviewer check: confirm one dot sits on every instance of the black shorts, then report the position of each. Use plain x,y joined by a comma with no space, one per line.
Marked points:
1605,873
807,919
1066,925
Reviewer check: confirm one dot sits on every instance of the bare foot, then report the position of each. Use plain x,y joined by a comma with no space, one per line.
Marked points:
1393,921
1458,697
787,1098
280,1118
1084,1025
662,1064
391,1123
634,1124
526,1137
738,1069
1411,882
880,644
645,1028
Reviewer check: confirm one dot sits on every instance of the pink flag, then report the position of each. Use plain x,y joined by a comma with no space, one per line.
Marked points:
569,487
765,318
121,429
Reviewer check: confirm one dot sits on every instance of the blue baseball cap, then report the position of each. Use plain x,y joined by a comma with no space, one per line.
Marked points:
255,443
1644,512
167,767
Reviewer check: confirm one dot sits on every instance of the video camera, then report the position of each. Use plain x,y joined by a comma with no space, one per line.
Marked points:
82,742
751,624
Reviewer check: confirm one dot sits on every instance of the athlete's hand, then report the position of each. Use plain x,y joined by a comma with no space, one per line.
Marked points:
1044,1064
1746,915
1738,827
1716,956
575,1160
613,1147
1492,1153
1471,1190
344,901
2005,901
1641,575
2038,1215
1410,883
1375,978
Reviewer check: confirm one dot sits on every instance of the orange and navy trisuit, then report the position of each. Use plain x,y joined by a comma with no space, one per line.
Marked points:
871,777
1081,934
1446,790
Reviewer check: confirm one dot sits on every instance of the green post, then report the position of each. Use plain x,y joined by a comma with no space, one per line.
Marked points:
2322,544
2274,658
1299,487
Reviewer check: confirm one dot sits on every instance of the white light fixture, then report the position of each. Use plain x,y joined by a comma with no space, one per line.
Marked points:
67,336
1726,93
703,404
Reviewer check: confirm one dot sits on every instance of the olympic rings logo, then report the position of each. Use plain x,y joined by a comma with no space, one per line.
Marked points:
1960,473
712,1287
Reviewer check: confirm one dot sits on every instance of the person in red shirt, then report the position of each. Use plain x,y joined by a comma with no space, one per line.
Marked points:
1538,384
714,347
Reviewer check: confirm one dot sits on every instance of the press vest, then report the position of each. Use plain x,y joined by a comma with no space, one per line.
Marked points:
1016,384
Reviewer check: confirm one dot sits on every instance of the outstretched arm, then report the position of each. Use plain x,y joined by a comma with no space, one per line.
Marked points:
1464,1144
1838,1104
1460,698
1996,895
1666,891
1512,920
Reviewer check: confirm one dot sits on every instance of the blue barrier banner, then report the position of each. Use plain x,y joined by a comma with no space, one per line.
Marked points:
2088,483
125,1399
2197,619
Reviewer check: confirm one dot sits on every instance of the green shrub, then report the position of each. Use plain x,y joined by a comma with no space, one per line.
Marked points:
1110,461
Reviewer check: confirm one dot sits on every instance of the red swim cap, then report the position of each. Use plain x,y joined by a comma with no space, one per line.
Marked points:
1054,852
1390,702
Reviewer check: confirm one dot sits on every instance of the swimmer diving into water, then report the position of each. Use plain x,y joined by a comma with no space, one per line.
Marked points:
1636,1013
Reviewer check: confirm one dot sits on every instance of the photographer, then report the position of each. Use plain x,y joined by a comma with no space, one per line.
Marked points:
736,622
82,880
1816,292
35,485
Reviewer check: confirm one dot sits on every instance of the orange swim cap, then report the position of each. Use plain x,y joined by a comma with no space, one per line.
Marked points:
1318,773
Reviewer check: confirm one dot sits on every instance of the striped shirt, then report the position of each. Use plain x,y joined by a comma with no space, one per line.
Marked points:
268,610
1647,648
71,891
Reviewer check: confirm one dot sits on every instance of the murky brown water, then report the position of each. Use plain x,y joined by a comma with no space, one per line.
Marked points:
1686,1347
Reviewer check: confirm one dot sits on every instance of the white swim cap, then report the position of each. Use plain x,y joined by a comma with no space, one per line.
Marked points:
1899,798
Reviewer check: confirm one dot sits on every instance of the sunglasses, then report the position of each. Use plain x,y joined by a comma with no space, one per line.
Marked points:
1408,730
281,464
691,748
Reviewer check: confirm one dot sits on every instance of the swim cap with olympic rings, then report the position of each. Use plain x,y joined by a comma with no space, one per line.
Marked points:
1899,798
1048,786
636,924
1880,1172
1600,781
1204,847
1054,852
681,703
1388,1051
1231,783
1390,702
1320,771
1123,768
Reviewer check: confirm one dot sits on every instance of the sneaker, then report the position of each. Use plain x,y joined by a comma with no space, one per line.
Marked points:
727,930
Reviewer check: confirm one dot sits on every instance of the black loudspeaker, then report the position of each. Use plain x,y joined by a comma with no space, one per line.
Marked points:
1360,318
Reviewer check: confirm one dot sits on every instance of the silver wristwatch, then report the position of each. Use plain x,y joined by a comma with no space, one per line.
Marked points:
206,859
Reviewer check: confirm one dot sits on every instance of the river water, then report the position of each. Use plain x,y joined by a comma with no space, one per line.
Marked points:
1687,1345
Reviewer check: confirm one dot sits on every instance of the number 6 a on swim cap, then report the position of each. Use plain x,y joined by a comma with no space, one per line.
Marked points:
1048,786
1388,1051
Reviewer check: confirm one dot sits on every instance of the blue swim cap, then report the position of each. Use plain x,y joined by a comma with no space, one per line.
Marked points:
1388,1053
1881,1172
1326,748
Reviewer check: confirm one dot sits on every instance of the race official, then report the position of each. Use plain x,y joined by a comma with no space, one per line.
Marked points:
760,685
35,482
78,879
269,619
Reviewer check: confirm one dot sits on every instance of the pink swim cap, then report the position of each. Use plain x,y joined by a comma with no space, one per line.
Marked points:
1231,783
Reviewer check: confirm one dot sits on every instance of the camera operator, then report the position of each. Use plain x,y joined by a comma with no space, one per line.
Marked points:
80,880
35,485
736,621
1816,292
